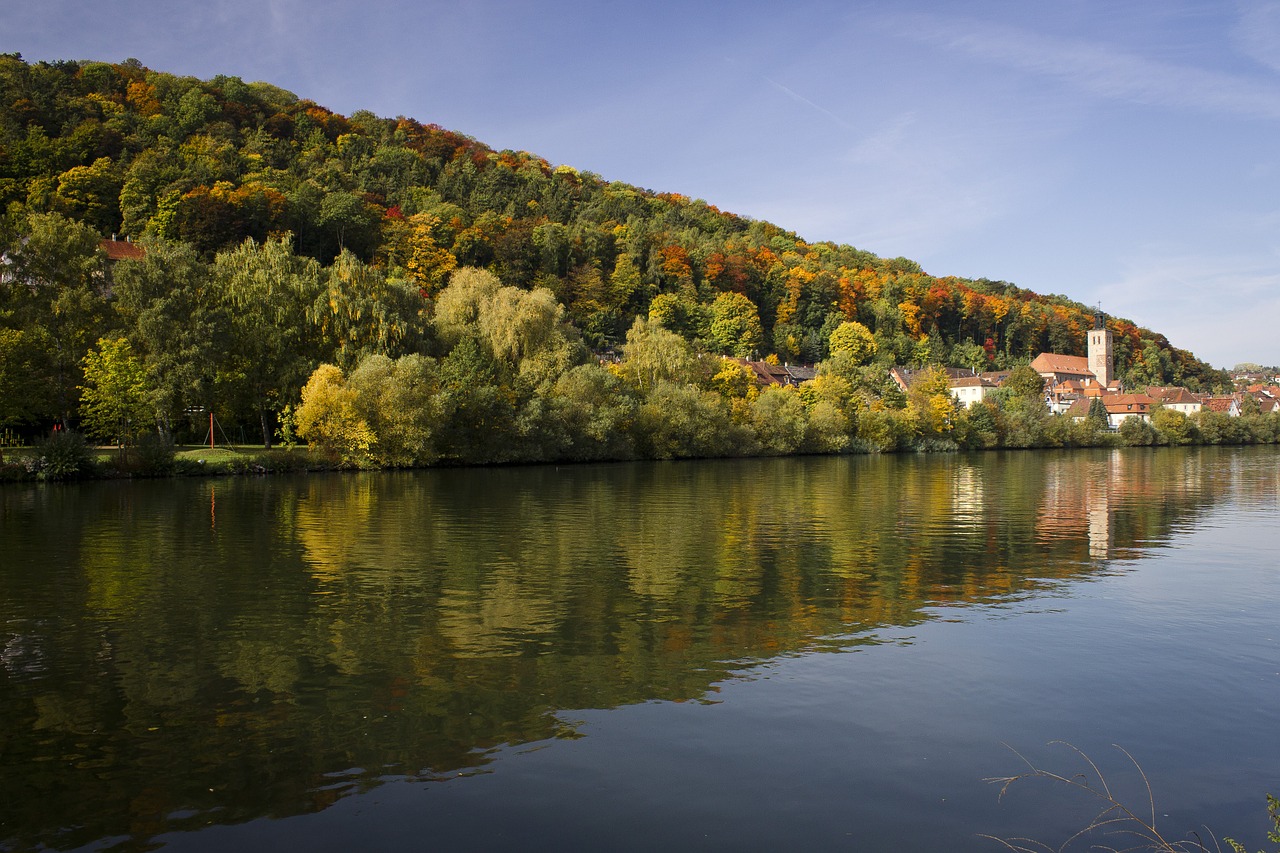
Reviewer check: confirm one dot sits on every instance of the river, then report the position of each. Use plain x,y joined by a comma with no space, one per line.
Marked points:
802,653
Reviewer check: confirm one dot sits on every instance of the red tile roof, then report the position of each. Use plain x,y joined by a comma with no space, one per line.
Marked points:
1173,395
1218,404
1052,362
1120,404
122,250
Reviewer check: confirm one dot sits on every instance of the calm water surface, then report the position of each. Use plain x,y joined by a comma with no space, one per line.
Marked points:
770,654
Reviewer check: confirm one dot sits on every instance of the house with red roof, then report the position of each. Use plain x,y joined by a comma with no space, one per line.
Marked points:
122,250
1228,405
1056,369
1177,399
1121,407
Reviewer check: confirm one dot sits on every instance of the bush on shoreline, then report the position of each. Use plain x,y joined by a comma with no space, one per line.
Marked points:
692,431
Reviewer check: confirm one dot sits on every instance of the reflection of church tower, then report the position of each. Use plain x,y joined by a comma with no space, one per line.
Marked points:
1100,360
1101,479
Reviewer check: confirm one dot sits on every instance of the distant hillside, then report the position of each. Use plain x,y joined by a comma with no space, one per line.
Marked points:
156,157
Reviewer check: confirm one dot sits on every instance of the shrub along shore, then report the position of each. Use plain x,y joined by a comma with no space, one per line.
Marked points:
66,456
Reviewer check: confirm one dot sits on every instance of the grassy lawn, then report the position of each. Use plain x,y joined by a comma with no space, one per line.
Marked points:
201,453
196,459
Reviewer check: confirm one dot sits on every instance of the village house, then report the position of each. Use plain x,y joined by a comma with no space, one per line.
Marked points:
1267,397
1079,409
971,390
1062,397
1057,369
1121,407
1229,405
904,376
1177,399
800,374
1253,377
1233,405
1268,406
117,251
122,250
766,374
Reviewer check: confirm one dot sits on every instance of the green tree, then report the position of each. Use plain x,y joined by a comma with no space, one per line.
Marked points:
115,400
969,354
930,399
520,325
1171,425
677,313
597,409
178,326
1026,417
1217,427
1137,432
346,223
56,292
399,400
886,430
23,391
1024,383
735,326
268,292
1098,413
735,381
652,354
478,405
524,332
780,420
681,421
359,312
984,423
625,285
458,307
91,194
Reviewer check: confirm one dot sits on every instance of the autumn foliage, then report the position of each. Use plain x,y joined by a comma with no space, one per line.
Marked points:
379,216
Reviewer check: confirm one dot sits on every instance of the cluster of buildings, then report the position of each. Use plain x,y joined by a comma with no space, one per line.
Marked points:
1072,383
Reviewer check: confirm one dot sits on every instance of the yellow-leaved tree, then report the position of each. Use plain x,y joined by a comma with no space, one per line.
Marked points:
329,420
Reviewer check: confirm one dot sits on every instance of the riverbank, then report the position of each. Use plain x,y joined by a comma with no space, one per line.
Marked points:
66,456
71,459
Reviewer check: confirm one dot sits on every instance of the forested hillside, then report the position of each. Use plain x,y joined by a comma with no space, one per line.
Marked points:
281,236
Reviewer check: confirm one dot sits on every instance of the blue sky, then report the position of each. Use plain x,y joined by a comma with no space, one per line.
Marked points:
1121,153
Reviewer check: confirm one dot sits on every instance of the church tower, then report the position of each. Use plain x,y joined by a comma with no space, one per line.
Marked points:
1100,355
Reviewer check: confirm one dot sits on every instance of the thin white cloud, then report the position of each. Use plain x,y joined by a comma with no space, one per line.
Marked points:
795,96
1107,70
1257,34
1220,308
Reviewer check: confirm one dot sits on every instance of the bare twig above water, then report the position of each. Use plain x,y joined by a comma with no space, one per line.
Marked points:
1133,830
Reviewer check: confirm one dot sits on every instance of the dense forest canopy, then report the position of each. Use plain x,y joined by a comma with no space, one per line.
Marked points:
282,236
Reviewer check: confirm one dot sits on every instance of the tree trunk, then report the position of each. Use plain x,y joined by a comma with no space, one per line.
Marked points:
266,429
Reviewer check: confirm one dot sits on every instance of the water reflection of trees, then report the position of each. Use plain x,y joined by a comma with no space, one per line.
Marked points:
176,653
